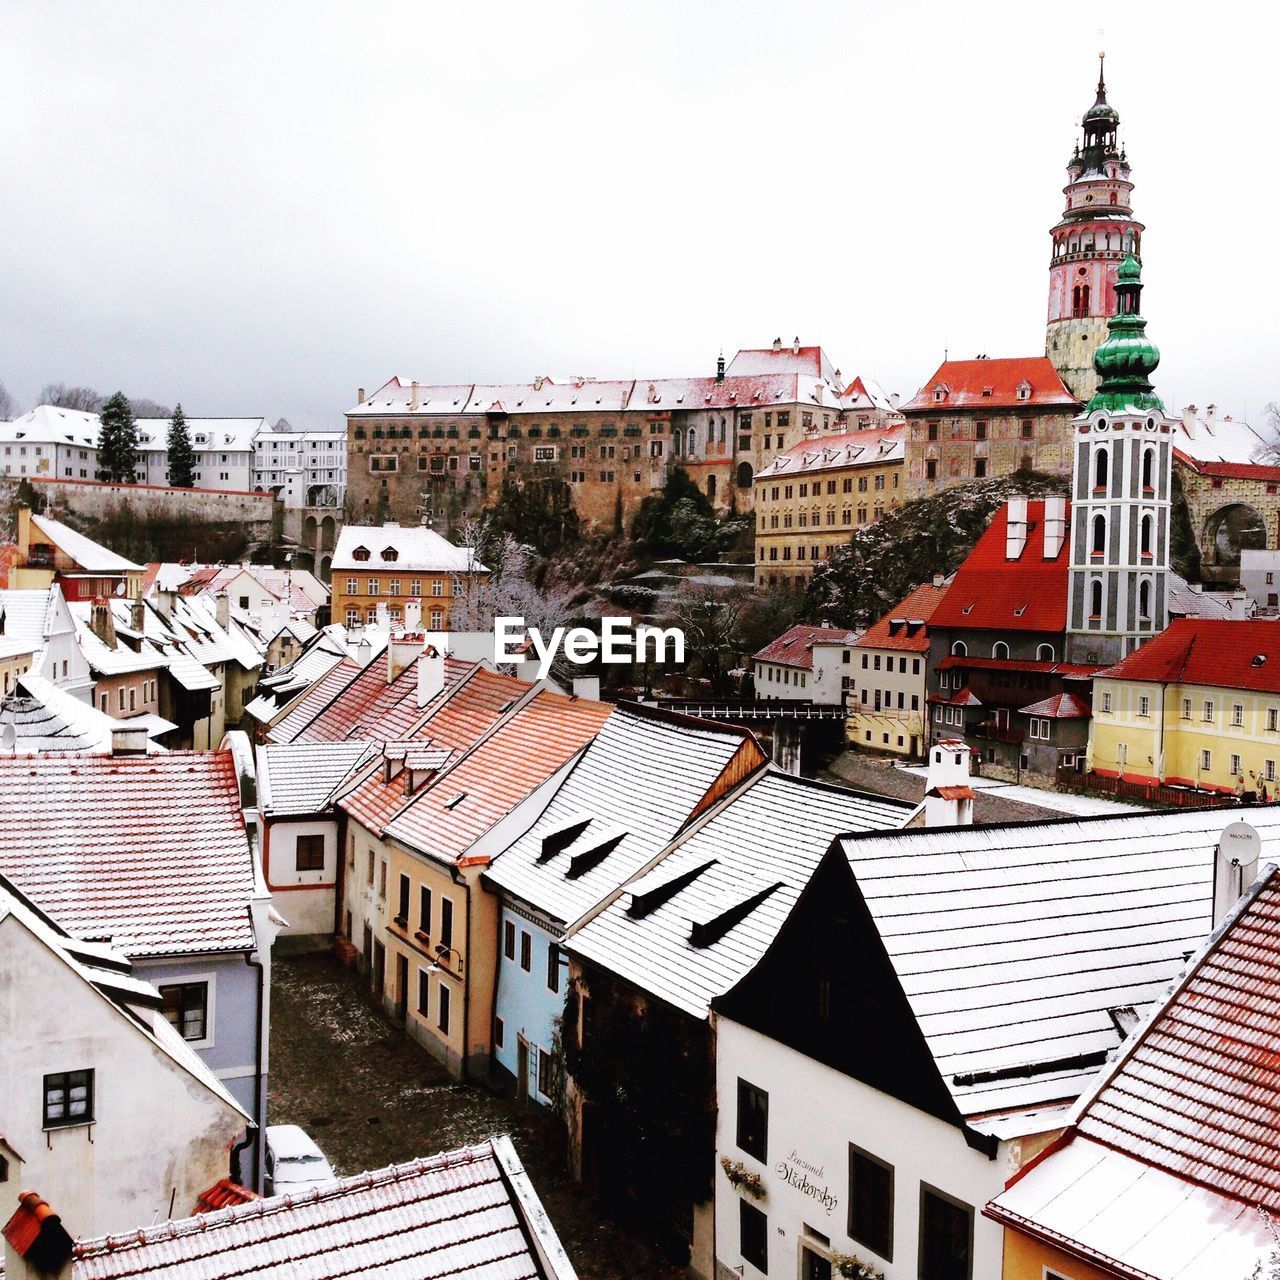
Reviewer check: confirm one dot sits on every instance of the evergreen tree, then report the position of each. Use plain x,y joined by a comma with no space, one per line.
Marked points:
182,457
118,440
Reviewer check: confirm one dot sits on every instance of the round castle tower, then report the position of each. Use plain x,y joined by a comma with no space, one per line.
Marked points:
1096,233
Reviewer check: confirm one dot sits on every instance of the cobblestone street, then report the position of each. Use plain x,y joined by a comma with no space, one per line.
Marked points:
370,1097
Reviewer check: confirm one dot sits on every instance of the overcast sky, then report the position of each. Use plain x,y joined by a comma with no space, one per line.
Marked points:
255,208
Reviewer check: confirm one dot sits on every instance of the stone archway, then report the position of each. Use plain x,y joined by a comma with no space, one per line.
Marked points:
309,531
1231,529
327,526
745,475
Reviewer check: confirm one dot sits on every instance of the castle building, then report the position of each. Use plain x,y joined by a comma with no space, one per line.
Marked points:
1119,578
1097,231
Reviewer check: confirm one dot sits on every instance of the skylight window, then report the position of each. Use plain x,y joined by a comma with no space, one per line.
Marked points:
723,910
661,885
454,801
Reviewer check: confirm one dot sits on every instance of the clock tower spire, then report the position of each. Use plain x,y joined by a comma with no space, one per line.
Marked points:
1096,233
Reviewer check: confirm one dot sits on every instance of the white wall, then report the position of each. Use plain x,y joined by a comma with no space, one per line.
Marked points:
815,1112
305,897
158,1133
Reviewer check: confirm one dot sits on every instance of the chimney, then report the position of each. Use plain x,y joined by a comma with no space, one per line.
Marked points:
1016,530
364,651
413,395
720,368
777,344
24,534
165,601
795,345
894,401
222,609
1055,525
1189,421
36,1244
431,668
587,687
939,579
359,395
401,651
1235,863
383,614
137,614
102,622
948,797
413,615
128,740
1210,417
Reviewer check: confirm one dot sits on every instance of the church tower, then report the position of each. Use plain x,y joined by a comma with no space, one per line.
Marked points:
1120,493
1096,233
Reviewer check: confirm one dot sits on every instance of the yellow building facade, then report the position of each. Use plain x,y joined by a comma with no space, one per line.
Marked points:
810,499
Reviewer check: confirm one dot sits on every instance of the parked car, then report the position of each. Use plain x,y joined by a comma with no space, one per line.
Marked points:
294,1162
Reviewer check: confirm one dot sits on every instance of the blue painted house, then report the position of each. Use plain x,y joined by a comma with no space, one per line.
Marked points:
646,775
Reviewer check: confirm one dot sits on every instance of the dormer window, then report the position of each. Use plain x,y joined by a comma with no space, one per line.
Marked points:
201,439
390,553
360,553
1024,390
940,393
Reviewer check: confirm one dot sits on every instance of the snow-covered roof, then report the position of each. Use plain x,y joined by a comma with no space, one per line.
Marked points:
766,839
208,435
89,555
400,549
598,830
104,660
47,718
297,778
1186,602
1015,944
868,448
1217,439
469,1212
48,424
28,612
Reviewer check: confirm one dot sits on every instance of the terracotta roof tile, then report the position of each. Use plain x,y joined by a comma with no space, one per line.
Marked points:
149,853
1227,653
794,648
993,384
895,630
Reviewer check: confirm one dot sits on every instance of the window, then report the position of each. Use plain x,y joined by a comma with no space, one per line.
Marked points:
424,909
1095,598
946,1237
1000,650
499,1032
871,1202
1206,759
446,922
1208,712
1273,718
68,1099
402,902
1041,727
442,1021
424,993
545,1073
186,1008
1237,714
1269,770
526,950
1144,705
509,939
1044,653
309,854
1235,765
753,1120
1106,701
753,1232
553,967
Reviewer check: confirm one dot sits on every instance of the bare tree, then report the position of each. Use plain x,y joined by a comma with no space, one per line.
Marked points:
712,621
145,408
1270,451
8,405
85,399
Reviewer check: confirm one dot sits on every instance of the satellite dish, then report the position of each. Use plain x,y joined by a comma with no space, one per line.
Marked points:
1242,844
119,588
1234,866
8,737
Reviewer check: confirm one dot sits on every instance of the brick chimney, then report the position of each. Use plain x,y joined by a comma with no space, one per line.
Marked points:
359,395
1016,528
102,621
137,614
413,395
402,649
222,609
36,1244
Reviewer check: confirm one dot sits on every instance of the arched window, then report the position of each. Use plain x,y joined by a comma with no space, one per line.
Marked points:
693,441
1000,650
959,649
1100,465
1144,536
722,431
1144,600
744,475
1084,299
1044,653
711,488
1075,301
1148,468
1099,543
1095,598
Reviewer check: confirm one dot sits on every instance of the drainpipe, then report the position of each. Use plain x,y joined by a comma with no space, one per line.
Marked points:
254,1130
466,977
1160,770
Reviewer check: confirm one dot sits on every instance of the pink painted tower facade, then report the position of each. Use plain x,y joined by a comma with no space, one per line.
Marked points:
1095,234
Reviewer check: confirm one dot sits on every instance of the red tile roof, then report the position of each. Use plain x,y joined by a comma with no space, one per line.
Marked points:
1068,670
1061,706
993,593
454,723
314,701
149,853
892,631
1230,470
794,648
1230,653
521,754
976,384
1198,1092
224,1192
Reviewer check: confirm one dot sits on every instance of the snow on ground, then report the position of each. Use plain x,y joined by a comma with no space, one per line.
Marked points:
1065,802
